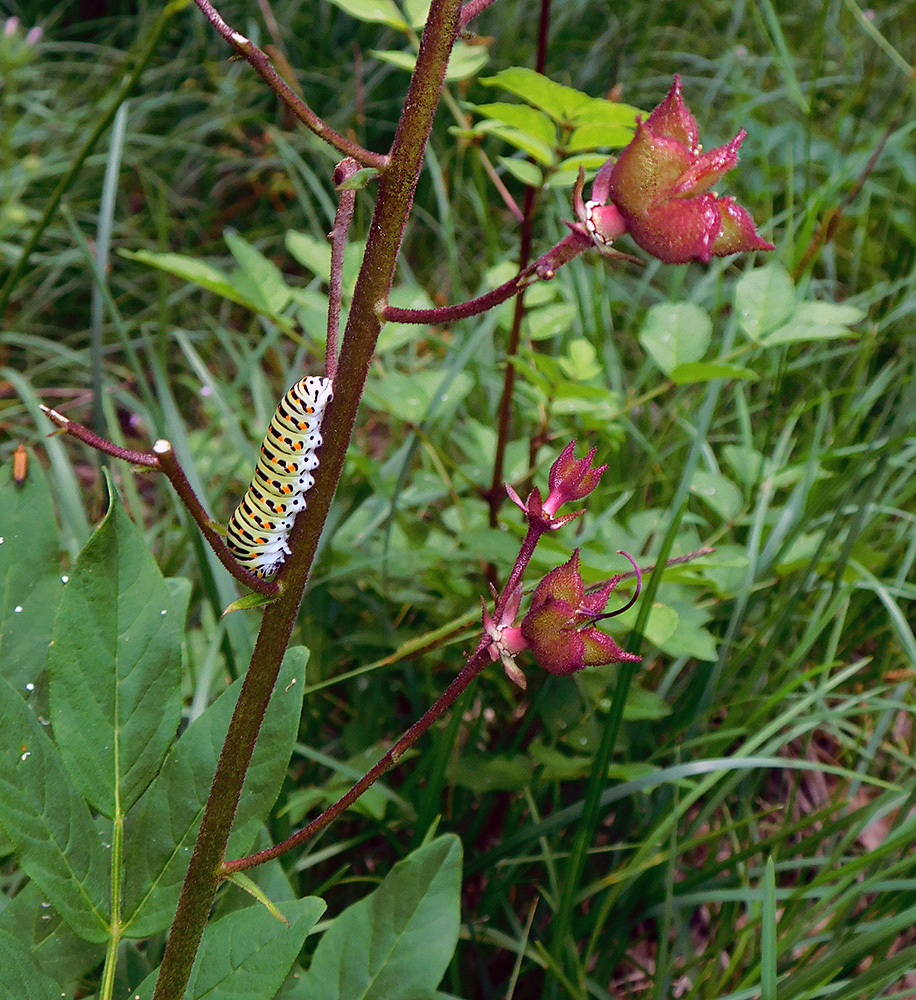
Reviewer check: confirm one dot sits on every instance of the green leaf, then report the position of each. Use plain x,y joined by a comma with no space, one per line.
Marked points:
675,333
541,151
719,492
30,581
465,61
561,103
247,602
704,371
816,321
581,362
374,12
20,975
315,255
246,955
198,272
551,321
522,170
493,772
259,279
600,111
567,171
644,705
398,942
599,137
764,299
115,666
49,823
409,397
63,955
360,179
161,830
522,118
661,624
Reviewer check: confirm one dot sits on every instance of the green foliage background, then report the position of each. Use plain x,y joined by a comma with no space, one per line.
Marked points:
757,825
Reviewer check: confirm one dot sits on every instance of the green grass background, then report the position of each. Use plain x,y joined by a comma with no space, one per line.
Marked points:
756,836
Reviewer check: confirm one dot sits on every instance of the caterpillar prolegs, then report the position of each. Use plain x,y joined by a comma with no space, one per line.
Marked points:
259,528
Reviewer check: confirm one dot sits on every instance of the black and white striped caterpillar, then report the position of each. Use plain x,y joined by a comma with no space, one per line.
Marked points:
259,528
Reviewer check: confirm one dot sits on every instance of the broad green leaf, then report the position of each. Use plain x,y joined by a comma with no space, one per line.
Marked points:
661,624
581,361
465,61
704,371
115,666
247,954
567,171
600,111
599,137
198,272
764,299
398,942
538,150
49,823
315,255
719,492
690,638
63,955
551,321
561,103
409,397
30,580
522,170
20,975
675,333
160,832
644,705
816,321
258,279
521,117
374,12
417,12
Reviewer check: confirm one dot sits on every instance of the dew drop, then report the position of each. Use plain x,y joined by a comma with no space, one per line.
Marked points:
26,755
17,609
163,612
64,579
30,687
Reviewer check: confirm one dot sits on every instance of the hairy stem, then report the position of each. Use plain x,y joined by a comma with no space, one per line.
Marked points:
262,64
395,198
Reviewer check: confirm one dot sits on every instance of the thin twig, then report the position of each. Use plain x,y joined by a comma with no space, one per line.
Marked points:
479,659
262,64
543,269
163,459
471,10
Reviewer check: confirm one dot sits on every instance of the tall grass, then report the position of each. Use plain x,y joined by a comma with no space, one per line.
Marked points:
755,827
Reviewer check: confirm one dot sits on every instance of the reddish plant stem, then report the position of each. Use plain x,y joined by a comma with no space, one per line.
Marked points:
472,9
164,460
395,197
494,495
543,269
476,663
262,64
479,659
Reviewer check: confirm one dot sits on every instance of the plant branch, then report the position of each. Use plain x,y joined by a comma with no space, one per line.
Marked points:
543,269
163,459
395,198
264,67
479,659
472,9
